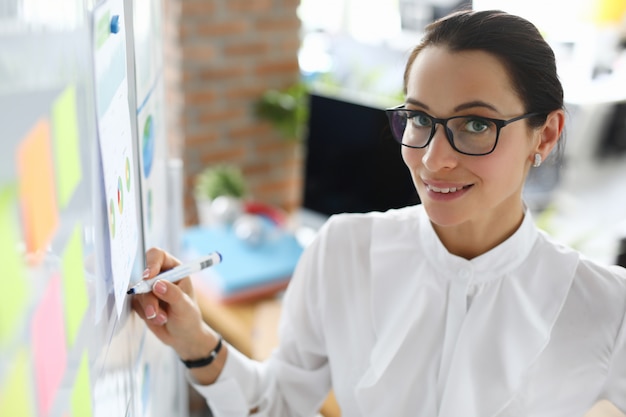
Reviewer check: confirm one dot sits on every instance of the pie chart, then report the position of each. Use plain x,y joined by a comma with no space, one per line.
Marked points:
147,146
120,195
127,175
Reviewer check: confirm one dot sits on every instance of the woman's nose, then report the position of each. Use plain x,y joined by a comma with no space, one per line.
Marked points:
439,153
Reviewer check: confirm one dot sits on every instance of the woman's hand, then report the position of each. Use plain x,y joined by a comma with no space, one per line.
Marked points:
171,312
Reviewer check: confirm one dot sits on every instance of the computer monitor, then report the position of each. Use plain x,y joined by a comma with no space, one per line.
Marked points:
352,163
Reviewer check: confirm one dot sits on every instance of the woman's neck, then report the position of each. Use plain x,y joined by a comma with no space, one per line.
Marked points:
471,239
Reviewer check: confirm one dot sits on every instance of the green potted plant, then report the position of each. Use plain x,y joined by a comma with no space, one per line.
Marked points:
219,192
287,110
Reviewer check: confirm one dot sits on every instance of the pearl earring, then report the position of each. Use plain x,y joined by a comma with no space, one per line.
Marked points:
537,162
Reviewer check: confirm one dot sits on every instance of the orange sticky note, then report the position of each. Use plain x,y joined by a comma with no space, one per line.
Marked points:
48,344
40,214
14,297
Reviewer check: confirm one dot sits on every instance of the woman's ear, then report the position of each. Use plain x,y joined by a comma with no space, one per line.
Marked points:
550,133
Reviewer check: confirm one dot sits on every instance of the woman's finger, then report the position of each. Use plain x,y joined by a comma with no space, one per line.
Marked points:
173,295
157,261
148,307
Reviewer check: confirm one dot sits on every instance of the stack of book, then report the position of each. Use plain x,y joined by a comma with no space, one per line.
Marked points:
247,271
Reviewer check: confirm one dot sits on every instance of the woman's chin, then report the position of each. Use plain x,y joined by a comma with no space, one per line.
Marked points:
444,216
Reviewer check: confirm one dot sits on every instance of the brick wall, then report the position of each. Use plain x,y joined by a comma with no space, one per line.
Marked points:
223,54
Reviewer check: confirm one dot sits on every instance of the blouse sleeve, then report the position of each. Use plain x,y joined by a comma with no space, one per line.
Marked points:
615,390
295,380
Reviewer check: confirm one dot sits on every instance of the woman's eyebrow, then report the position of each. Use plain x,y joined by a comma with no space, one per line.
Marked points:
460,107
475,103
417,103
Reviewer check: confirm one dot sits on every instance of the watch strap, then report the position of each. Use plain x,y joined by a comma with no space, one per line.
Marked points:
198,363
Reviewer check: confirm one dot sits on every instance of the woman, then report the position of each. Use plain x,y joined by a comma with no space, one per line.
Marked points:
457,307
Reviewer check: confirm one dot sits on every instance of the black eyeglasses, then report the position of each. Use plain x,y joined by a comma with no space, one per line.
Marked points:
469,135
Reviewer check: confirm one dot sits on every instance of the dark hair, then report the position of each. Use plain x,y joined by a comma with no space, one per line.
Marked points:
516,42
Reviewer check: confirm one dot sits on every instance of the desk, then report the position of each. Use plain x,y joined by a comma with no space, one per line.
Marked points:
251,327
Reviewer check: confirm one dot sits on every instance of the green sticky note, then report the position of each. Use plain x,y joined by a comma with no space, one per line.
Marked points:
81,393
74,286
14,296
67,145
16,397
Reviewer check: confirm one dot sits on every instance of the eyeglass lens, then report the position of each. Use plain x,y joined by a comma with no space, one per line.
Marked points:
470,134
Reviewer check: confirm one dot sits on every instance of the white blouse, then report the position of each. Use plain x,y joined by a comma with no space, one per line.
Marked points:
381,312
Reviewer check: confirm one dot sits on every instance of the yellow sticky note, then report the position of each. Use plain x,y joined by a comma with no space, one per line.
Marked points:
81,394
67,145
40,213
14,297
16,397
74,286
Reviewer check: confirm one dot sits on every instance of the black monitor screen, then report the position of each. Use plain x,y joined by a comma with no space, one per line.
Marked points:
352,162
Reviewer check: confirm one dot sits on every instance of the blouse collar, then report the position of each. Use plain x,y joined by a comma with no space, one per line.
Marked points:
503,258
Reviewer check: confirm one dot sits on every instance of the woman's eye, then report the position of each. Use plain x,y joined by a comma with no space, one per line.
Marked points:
420,120
476,125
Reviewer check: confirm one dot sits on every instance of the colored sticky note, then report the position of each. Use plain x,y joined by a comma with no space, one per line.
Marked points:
48,344
15,395
40,214
74,286
67,146
81,393
14,297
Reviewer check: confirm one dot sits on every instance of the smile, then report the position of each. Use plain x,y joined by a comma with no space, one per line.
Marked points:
445,190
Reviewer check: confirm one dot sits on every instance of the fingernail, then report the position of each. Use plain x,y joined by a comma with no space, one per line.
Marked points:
162,319
146,273
150,312
159,287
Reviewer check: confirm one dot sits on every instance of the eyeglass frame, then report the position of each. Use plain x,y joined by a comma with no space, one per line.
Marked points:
499,123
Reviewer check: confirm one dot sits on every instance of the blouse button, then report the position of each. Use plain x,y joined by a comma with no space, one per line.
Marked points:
465,274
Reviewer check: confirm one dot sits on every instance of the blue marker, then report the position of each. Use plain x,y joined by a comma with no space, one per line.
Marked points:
177,273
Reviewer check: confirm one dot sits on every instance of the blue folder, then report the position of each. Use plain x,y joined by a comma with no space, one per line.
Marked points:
244,267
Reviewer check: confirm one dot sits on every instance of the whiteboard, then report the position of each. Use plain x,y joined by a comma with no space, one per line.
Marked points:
68,347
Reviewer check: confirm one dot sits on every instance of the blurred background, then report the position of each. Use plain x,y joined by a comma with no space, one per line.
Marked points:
349,55
264,115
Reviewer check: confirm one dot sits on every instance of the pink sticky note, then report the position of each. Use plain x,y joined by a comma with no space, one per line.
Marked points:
40,213
48,344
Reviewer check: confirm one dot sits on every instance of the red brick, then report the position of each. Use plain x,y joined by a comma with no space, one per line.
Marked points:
248,49
290,44
252,92
195,8
249,131
220,156
219,116
239,6
221,73
199,97
198,53
276,186
215,29
193,140
278,67
260,169
278,146
279,24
